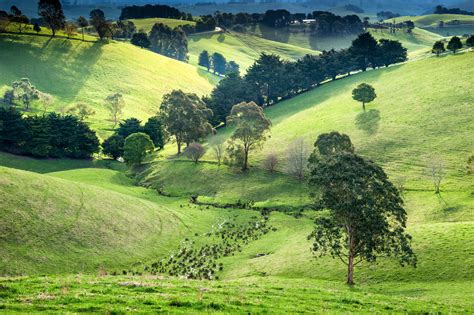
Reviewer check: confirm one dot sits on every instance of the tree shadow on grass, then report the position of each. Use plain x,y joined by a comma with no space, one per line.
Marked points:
368,121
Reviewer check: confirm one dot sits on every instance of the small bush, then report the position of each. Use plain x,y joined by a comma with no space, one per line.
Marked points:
271,162
195,151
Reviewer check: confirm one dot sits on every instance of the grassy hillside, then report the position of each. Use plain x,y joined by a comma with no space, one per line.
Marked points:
418,43
147,24
417,117
432,20
74,71
241,48
464,25
53,225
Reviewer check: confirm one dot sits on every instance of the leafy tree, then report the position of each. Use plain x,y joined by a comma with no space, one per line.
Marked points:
99,22
195,151
438,48
268,75
391,52
19,18
128,127
470,41
140,39
185,117
251,127
36,28
364,50
154,127
219,63
312,71
81,110
26,92
454,44
82,23
136,147
52,13
205,60
364,93
113,146
410,25
232,67
12,130
115,104
365,218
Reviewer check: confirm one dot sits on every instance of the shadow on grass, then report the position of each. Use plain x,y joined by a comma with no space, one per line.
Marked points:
368,121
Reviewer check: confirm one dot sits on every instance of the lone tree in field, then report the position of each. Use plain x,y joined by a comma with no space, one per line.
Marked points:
52,13
82,23
141,40
195,151
454,44
115,104
186,117
436,170
25,92
136,147
364,93
205,60
438,48
252,127
365,218
297,158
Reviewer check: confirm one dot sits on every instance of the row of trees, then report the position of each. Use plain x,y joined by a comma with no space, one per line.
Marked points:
43,136
271,79
217,63
454,45
153,11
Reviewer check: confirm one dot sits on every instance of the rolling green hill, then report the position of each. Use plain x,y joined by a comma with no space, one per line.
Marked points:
241,48
74,71
80,219
147,24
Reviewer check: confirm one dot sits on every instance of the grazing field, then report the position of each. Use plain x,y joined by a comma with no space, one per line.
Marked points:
241,48
74,71
147,24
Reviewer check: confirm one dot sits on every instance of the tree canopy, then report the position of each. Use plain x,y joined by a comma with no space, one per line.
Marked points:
364,93
136,147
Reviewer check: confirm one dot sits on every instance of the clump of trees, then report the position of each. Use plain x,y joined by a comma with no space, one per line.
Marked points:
81,111
365,217
169,42
24,92
186,117
364,93
152,11
45,136
140,39
153,128
251,128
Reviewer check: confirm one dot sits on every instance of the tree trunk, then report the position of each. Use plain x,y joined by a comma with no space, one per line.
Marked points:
83,34
363,106
179,147
246,158
350,270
